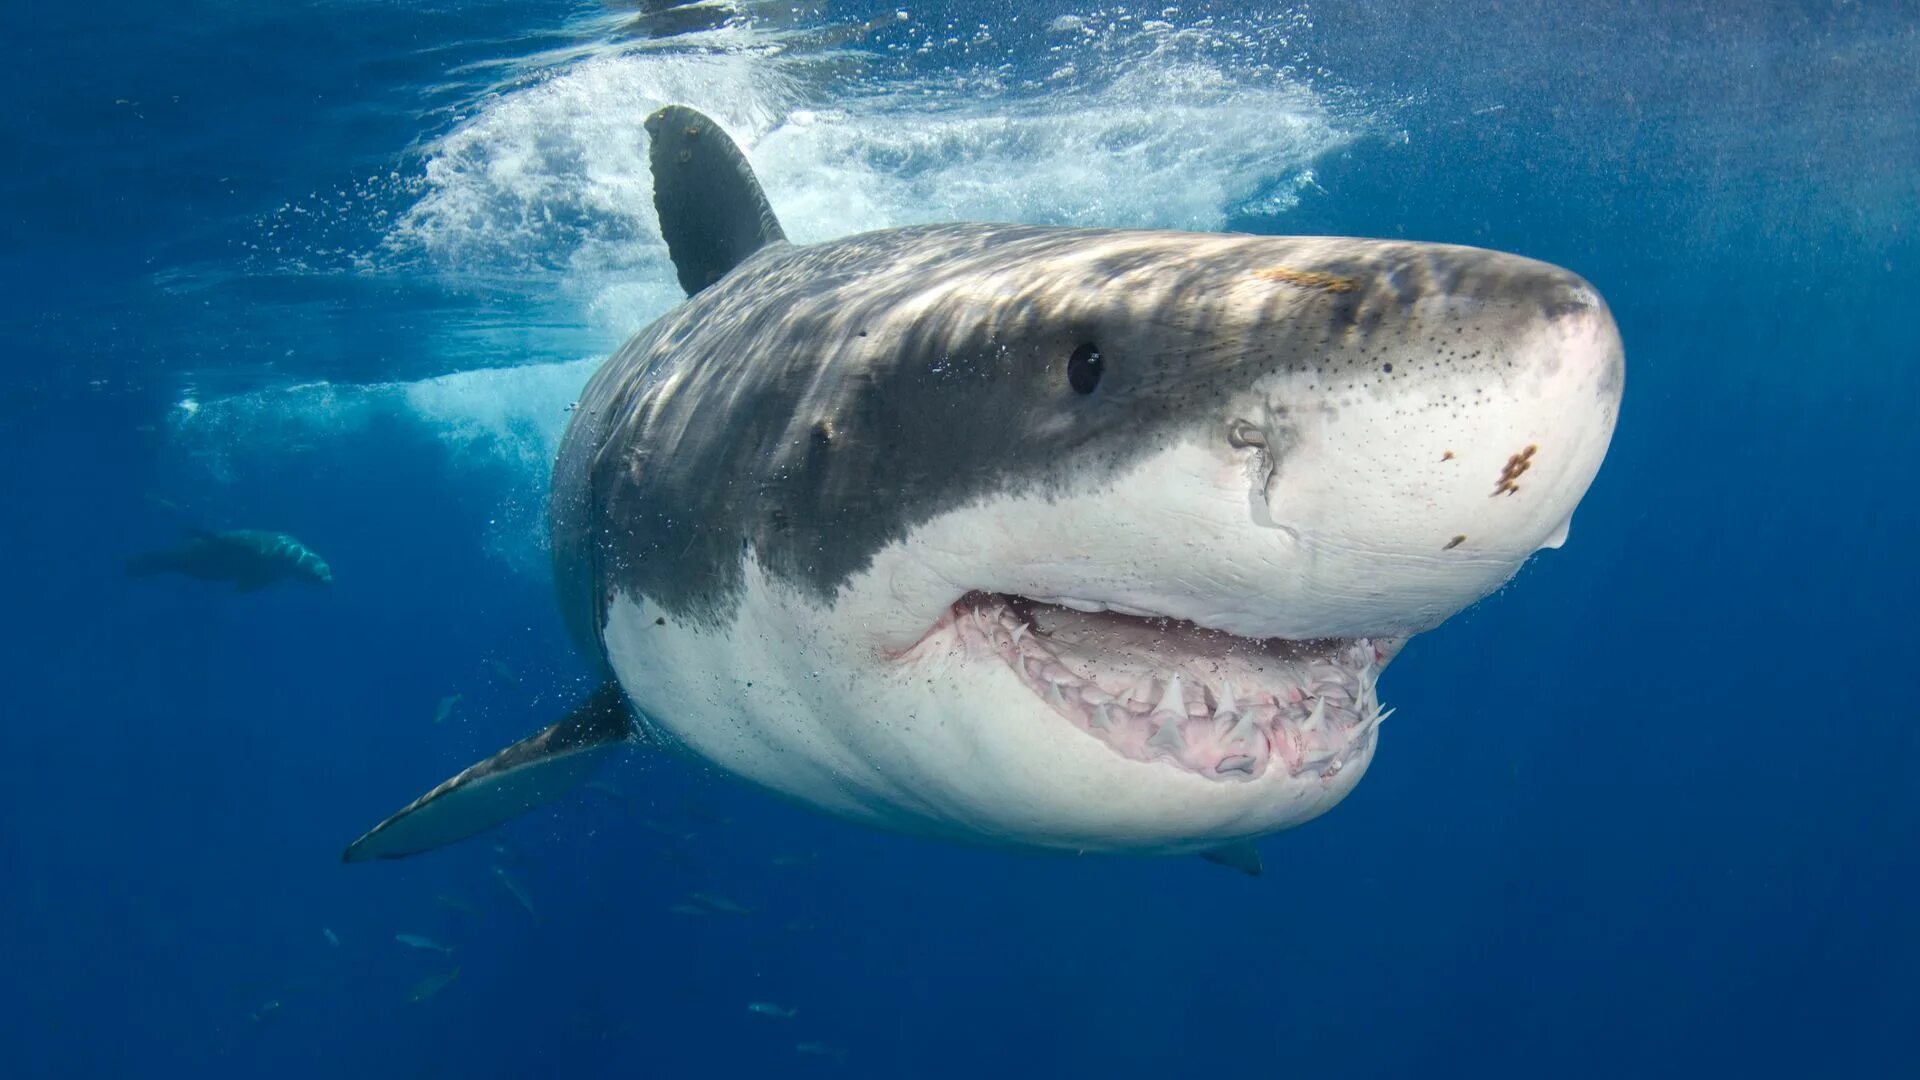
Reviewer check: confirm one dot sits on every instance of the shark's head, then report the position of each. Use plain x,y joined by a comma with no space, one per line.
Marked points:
1080,539
1086,539
1094,540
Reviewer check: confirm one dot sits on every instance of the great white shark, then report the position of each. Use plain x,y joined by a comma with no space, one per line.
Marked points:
1092,540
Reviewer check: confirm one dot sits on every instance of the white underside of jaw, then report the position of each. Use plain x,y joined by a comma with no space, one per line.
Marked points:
951,742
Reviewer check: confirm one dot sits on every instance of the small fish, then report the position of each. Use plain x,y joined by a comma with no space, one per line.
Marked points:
687,909
819,1049
800,927
333,939
417,942
511,886
768,1008
502,670
718,904
796,860
450,901
431,985
605,788
445,708
266,1012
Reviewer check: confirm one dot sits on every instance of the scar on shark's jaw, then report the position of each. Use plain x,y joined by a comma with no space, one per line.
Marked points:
1156,689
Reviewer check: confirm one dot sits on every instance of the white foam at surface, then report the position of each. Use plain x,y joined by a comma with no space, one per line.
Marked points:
1155,129
512,416
499,425
516,414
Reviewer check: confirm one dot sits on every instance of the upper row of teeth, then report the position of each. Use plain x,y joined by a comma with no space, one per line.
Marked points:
1235,721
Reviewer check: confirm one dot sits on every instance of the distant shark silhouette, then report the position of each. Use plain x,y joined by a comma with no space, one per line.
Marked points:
251,559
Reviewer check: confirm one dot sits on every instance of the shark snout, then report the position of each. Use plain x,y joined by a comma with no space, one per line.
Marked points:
1420,477
1556,416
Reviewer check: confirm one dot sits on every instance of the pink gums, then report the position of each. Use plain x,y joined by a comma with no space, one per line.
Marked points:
1313,720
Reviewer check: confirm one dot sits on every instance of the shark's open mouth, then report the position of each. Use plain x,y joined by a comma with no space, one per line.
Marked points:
1167,690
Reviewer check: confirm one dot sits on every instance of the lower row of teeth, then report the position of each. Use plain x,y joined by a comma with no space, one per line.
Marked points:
1231,732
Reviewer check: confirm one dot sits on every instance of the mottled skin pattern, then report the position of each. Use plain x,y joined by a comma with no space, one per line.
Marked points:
847,391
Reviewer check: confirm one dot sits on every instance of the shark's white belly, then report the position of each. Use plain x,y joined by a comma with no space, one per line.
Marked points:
780,701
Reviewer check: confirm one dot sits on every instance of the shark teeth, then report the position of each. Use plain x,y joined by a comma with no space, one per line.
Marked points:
1316,722
1251,712
1168,736
1375,718
1244,728
1174,700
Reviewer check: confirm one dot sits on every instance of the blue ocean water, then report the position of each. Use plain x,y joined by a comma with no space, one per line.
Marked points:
338,268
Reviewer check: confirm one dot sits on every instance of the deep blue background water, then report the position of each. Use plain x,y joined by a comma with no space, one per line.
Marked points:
1646,811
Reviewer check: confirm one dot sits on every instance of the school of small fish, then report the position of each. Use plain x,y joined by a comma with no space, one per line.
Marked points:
699,903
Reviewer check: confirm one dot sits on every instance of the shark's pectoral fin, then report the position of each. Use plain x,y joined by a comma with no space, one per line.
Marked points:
1243,857
712,211
530,773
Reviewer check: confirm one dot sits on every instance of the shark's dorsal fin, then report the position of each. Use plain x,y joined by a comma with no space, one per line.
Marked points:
530,773
712,211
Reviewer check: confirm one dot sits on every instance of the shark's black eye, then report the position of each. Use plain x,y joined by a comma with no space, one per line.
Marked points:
1084,367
